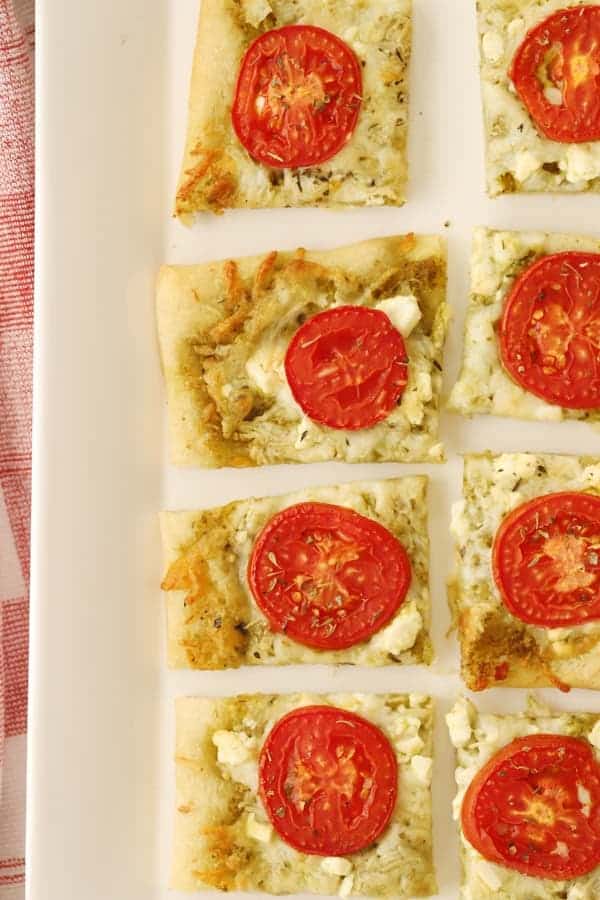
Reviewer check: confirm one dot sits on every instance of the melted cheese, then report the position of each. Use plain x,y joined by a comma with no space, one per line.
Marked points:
313,442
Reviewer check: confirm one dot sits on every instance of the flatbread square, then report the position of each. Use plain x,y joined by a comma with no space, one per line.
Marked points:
215,623
519,158
371,170
484,386
224,329
223,839
497,648
477,737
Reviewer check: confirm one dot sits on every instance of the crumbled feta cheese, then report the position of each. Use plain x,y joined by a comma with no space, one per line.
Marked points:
422,767
493,46
515,28
553,95
346,886
402,632
526,164
336,865
583,162
458,721
491,875
409,745
415,700
232,748
594,735
260,831
403,312
256,11
512,467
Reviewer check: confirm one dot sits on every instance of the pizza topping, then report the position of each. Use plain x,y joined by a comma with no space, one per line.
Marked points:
546,560
298,96
556,72
550,330
326,576
328,780
535,807
347,367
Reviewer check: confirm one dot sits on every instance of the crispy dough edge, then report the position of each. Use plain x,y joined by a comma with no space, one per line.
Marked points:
187,303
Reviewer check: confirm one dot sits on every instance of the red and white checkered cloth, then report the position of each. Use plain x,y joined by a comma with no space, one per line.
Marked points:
16,341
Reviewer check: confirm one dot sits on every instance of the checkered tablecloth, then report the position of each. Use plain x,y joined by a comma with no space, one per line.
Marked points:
16,340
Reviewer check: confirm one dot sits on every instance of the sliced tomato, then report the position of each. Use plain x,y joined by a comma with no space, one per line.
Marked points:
328,780
550,330
535,807
546,560
556,73
298,96
326,576
347,367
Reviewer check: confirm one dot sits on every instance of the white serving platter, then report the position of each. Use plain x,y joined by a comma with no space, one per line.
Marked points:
112,92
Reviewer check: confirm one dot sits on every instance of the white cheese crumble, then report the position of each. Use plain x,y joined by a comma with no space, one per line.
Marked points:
583,162
526,163
491,875
256,11
336,865
422,767
402,632
260,831
458,721
232,748
346,886
492,46
402,311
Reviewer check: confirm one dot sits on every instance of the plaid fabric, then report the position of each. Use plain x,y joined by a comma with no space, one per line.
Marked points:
16,338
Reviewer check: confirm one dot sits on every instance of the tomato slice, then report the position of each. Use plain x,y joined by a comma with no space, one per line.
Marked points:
550,330
535,807
347,367
328,780
546,560
556,73
298,96
326,576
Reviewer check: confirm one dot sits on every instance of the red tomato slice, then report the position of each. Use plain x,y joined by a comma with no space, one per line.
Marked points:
535,807
328,780
298,96
347,367
546,560
550,330
556,72
326,576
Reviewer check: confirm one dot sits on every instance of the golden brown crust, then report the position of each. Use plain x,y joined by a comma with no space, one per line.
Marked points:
217,173
214,319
